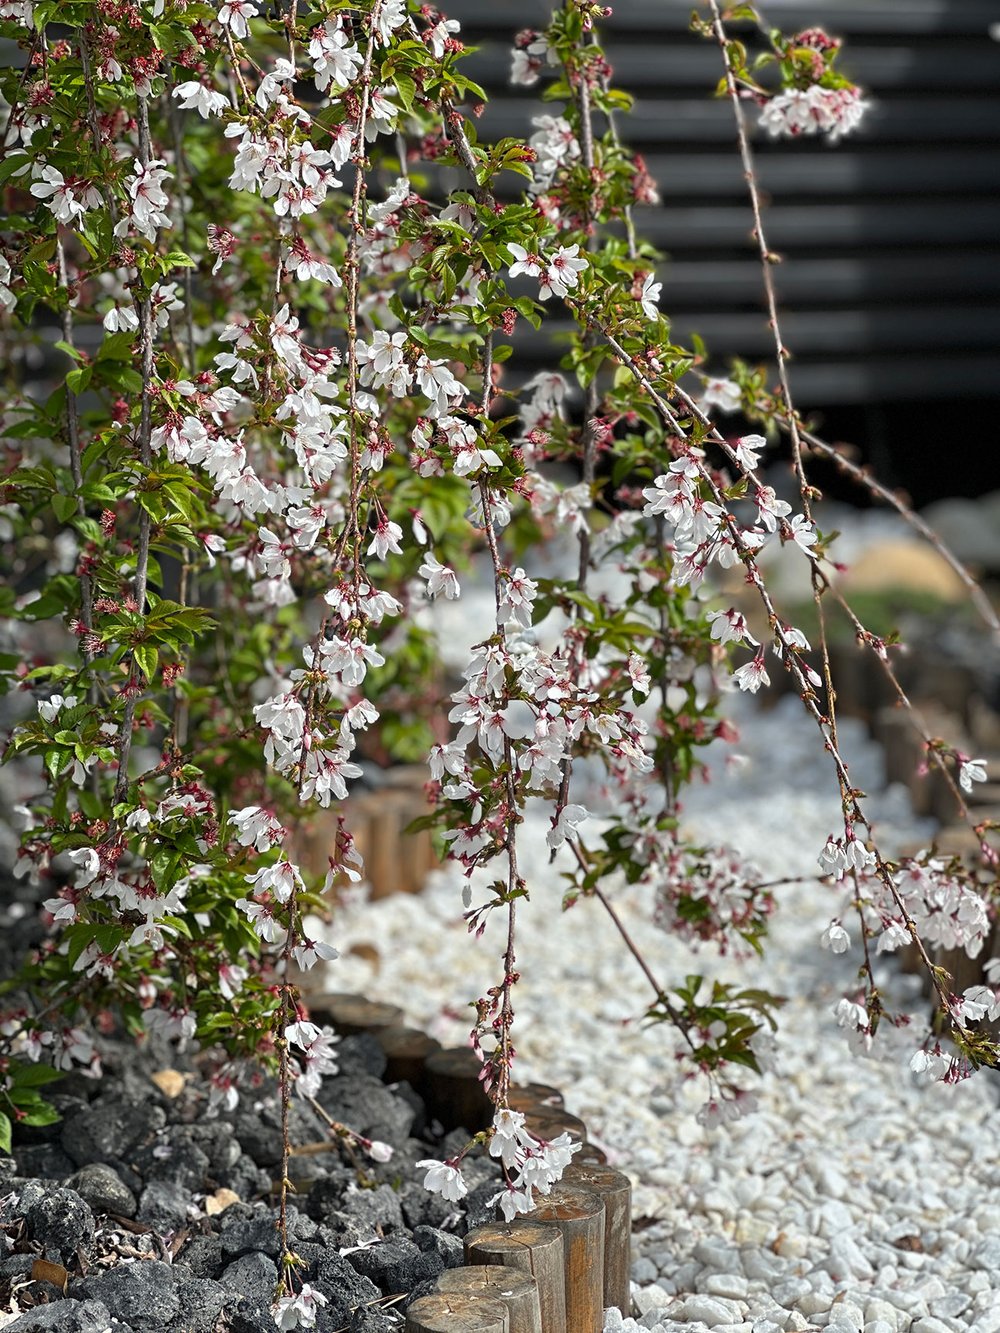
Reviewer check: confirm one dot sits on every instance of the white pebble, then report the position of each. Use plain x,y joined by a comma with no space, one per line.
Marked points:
733,1285
710,1310
928,1324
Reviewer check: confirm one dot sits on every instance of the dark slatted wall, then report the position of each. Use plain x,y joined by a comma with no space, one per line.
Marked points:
890,282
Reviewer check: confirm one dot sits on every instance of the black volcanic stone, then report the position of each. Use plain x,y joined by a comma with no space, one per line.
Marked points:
163,1206
445,1244
245,1178
344,1288
103,1189
46,1160
246,1229
201,1304
143,1294
254,1275
259,1135
216,1141
421,1208
62,1224
361,1101
174,1157
109,1128
396,1265
250,1316
202,1255
373,1321
67,1317
373,1211
326,1195
361,1054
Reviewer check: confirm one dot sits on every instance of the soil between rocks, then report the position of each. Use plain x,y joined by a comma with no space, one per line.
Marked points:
163,1218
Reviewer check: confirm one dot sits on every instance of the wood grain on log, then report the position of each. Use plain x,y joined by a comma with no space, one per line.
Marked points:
533,1248
548,1123
615,1190
579,1215
454,1093
443,1312
350,1014
406,1052
533,1096
518,1291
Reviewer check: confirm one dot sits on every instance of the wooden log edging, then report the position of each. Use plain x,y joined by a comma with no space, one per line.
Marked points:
569,1259
533,1248
516,1290
457,1312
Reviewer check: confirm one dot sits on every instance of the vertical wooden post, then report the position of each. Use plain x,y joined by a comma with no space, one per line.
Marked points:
615,1191
516,1290
533,1097
454,1092
548,1122
442,1312
406,1053
532,1248
579,1215
351,1014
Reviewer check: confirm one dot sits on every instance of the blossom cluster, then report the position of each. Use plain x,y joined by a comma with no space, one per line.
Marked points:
531,1165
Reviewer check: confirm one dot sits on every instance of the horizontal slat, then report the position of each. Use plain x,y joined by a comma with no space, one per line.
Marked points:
891,17
789,227
829,332
820,333
913,120
882,172
724,284
674,64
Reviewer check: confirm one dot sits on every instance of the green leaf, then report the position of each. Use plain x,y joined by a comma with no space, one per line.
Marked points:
64,507
146,657
4,1133
77,380
406,89
35,1076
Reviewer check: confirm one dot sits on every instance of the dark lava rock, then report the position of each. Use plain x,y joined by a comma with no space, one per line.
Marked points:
421,1208
246,1228
259,1135
66,1104
110,1127
143,1294
325,1196
67,1317
216,1141
478,1209
202,1255
254,1275
344,1288
361,1101
164,1206
396,1265
26,1194
361,1054
174,1157
373,1321
102,1188
61,1223
16,1265
250,1316
201,1304
373,1211
245,1178
443,1243
42,1159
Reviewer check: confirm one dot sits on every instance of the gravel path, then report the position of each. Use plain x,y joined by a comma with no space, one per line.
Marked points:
854,1199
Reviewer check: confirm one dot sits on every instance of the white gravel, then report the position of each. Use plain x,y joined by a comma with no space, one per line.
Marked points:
853,1200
